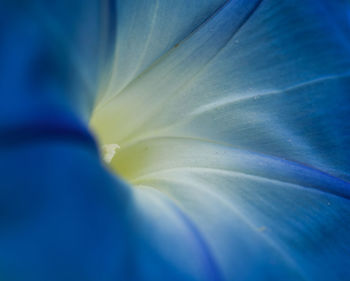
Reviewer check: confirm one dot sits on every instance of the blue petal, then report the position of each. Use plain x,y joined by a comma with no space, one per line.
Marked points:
244,125
61,216
242,181
51,55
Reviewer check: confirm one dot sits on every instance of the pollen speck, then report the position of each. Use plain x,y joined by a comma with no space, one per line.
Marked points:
109,151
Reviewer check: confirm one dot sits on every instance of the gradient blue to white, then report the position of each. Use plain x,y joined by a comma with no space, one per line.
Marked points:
232,119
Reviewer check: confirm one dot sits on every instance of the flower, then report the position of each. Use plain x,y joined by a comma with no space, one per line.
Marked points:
226,124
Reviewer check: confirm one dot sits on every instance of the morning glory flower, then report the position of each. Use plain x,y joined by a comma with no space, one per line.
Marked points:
222,147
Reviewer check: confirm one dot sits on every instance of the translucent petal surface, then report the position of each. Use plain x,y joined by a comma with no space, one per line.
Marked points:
146,30
231,117
250,208
275,85
244,126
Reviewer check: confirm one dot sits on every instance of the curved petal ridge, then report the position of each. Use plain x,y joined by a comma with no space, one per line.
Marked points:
139,67
269,123
166,208
233,99
164,56
302,223
193,76
243,218
229,76
148,157
147,43
154,174
201,48
109,83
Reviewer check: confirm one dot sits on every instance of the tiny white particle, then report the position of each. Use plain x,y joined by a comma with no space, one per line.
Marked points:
109,151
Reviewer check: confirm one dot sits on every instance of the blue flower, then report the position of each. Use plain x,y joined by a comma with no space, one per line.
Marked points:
224,125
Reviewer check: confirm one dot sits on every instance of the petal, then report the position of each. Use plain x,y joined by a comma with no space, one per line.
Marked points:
247,80
168,74
244,125
166,243
51,54
262,217
146,30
